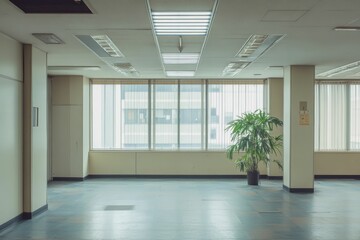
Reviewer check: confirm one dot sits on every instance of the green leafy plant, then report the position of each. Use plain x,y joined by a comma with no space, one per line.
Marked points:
251,133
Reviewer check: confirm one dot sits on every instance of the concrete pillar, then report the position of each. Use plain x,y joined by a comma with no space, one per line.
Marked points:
275,103
299,128
35,131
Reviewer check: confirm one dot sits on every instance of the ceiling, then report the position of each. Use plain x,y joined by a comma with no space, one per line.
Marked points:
307,26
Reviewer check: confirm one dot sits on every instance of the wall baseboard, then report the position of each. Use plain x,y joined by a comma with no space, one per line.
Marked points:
30,215
21,217
298,190
263,176
91,176
68,179
274,177
356,177
16,220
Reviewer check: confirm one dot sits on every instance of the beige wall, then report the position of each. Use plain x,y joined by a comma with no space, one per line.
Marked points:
70,127
162,163
337,163
11,85
275,93
203,163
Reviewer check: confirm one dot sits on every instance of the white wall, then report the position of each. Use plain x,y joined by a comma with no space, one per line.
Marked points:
11,86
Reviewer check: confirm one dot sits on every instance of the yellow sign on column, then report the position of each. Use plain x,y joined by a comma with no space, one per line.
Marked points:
304,118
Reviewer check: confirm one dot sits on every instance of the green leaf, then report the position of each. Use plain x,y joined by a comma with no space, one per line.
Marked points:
251,133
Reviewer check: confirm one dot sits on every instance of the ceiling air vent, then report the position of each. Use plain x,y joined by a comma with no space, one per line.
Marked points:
108,52
48,38
125,68
234,68
101,45
257,45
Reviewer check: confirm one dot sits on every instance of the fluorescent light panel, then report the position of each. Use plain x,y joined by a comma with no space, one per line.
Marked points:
351,29
62,68
234,68
180,58
181,13
105,43
341,69
181,23
180,73
257,45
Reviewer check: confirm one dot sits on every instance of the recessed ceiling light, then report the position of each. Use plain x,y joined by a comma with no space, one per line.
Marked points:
67,68
275,67
234,68
180,73
181,23
105,43
341,69
48,38
180,58
347,28
256,45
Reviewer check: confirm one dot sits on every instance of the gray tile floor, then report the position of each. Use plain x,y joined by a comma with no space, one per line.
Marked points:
183,209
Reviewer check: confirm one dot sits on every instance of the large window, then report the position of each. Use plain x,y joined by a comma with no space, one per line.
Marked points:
120,116
337,114
165,115
226,101
169,114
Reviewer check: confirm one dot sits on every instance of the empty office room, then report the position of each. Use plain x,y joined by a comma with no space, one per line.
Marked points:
180,119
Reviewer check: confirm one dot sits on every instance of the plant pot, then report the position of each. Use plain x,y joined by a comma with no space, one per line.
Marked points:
253,178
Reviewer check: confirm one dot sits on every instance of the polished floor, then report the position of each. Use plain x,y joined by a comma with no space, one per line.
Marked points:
196,209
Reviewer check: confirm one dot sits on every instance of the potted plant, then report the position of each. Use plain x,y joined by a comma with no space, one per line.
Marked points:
251,134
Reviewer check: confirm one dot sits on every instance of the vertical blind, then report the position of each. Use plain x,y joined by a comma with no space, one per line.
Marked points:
169,114
226,101
337,114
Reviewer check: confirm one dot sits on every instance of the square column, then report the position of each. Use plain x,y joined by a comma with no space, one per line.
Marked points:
275,106
299,128
35,132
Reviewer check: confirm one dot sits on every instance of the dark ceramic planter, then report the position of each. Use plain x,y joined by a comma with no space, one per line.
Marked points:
253,178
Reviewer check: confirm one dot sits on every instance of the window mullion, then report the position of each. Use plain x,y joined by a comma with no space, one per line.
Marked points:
178,114
206,114
348,119
149,115
153,116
